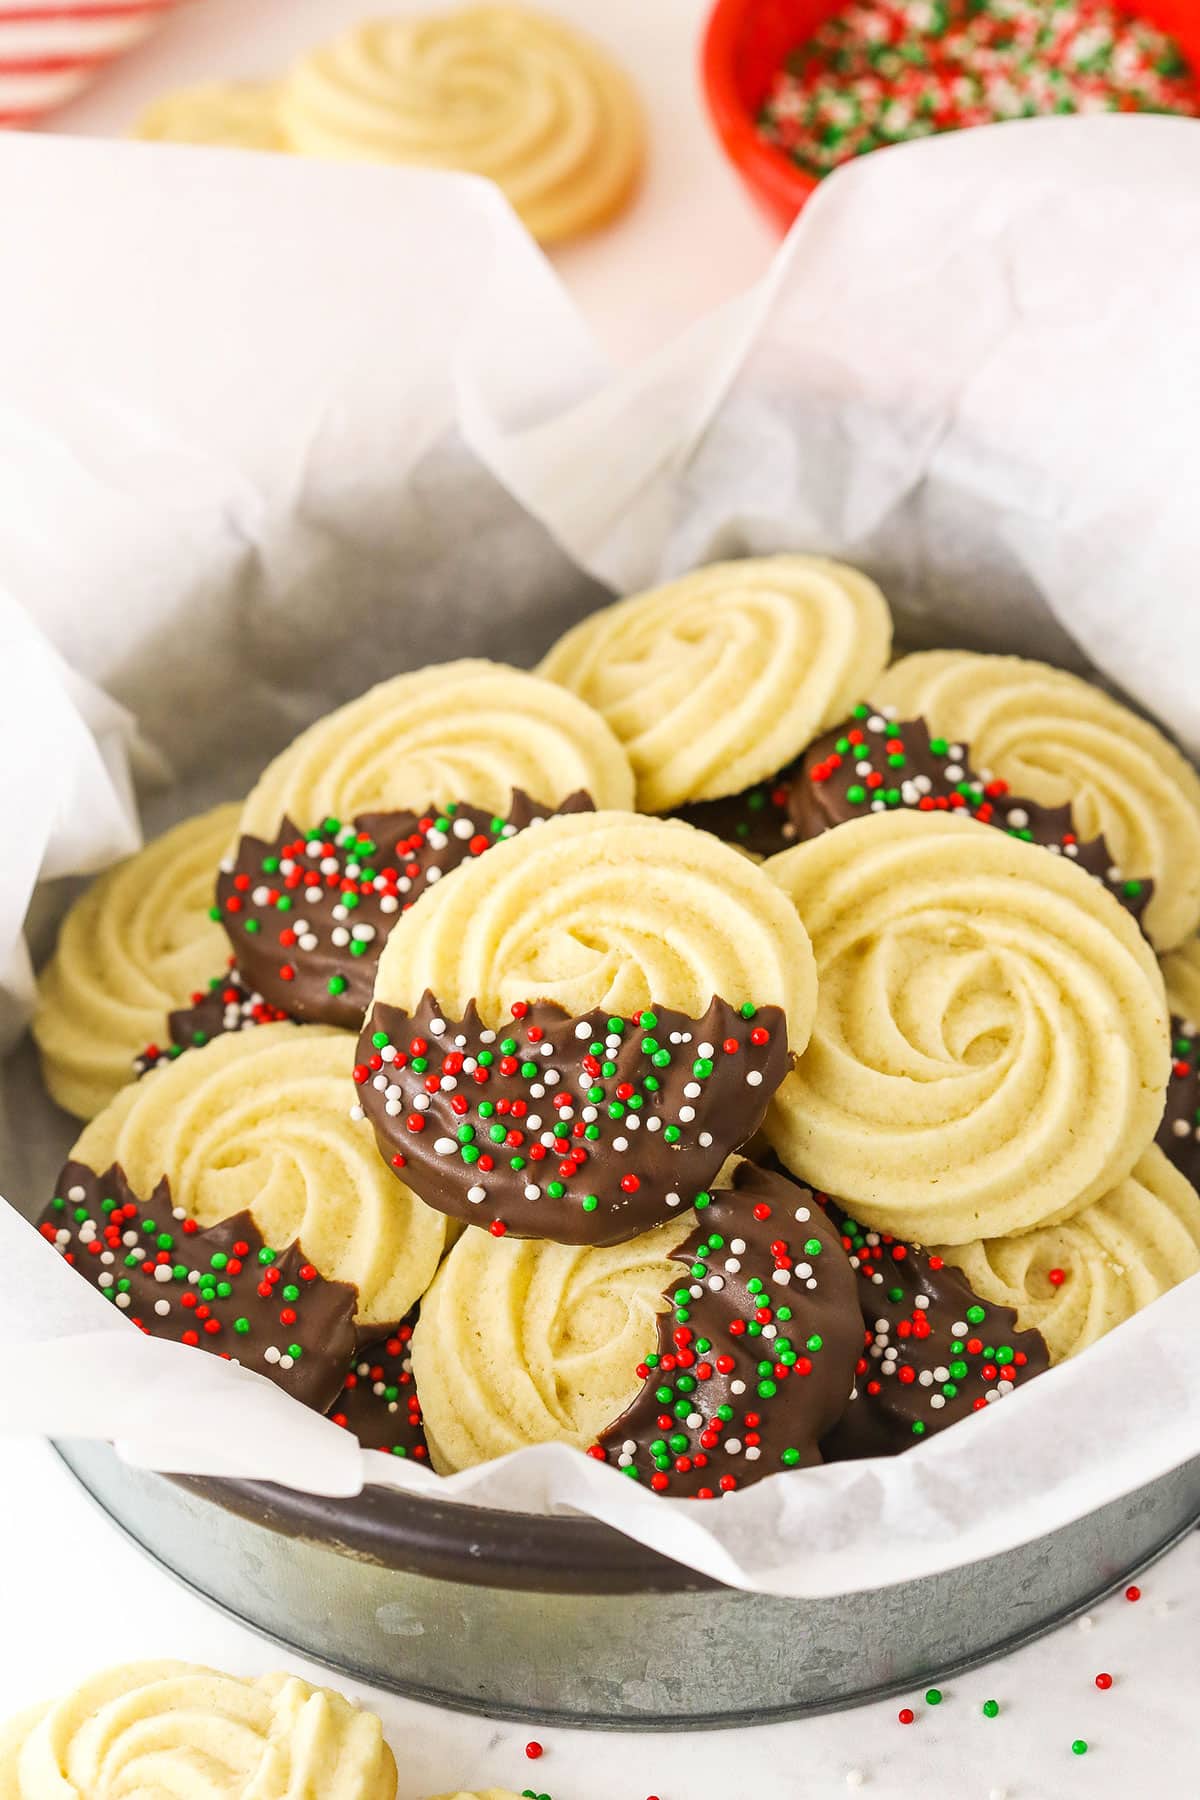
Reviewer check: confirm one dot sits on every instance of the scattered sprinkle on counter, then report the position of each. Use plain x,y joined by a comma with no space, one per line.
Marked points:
884,72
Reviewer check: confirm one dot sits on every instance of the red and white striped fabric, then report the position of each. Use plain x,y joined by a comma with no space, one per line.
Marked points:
51,49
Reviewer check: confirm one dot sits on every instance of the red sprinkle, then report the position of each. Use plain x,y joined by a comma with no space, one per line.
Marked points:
906,1715
534,1749
1133,1593
1104,1681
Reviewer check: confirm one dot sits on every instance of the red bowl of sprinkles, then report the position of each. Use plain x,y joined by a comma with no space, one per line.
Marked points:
748,45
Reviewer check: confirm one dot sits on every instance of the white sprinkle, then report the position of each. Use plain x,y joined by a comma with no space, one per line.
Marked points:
447,1084
122,1300
445,1146
732,1264
550,1077
706,1050
532,1192
691,1090
537,1091
1018,818
339,937
784,1276
308,941
631,1122
937,1401
737,1245
754,1078
357,1113
106,1281
686,1114
437,1026
802,1214
287,1362
704,1140
583,1029
389,904
621,1143
654,1123
753,1453
271,1354
421,1102
364,933
677,1200
393,1108
733,1446
875,722
1087,1622
162,1308
314,895
76,1193
1181,1128
960,1328
921,1301
739,1387
381,1083
476,1194
463,828
341,912
487,1037
953,771
855,1778
716,1283
546,1050
534,1122
163,1273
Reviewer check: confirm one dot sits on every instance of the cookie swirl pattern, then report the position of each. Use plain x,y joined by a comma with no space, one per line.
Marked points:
470,730
717,680
258,1122
1061,741
137,944
240,115
990,1051
165,1728
493,90
528,1342
603,910
1075,1281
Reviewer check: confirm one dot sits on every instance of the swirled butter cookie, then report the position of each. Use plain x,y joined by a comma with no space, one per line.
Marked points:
530,1342
755,1359
1063,742
498,91
934,1351
474,732
169,1728
134,946
237,115
309,913
572,1035
717,680
257,1122
990,1050
1073,1282
223,1289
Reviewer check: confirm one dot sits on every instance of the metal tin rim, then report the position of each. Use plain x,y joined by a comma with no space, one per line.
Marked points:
526,1715
453,1541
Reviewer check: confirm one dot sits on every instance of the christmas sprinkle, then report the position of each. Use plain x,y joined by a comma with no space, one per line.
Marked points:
379,1402
885,72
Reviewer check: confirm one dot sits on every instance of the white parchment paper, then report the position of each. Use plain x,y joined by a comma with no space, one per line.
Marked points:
270,431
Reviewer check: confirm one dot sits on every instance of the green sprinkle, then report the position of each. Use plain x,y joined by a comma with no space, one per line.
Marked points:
990,1708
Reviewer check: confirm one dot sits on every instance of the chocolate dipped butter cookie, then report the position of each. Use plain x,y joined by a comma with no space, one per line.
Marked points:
1064,742
222,1289
871,763
154,1729
523,1341
585,1130
717,680
1075,1281
257,1122
308,913
570,1037
933,1351
756,1354
1179,1132
457,732
229,1004
135,945
990,1049
378,1403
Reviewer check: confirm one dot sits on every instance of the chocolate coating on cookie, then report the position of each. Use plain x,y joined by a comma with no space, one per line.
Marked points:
755,1360
933,1351
757,820
308,914
229,1005
1179,1134
871,763
221,1289
587,1130
379,1402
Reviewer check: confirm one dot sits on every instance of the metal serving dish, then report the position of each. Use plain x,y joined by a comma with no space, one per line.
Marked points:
564,1620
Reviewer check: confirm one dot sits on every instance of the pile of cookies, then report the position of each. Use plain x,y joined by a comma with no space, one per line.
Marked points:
723,1050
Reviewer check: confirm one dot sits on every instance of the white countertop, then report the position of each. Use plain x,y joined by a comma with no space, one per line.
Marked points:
74,1595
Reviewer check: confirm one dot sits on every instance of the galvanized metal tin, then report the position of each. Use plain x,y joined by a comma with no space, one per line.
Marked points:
565,1621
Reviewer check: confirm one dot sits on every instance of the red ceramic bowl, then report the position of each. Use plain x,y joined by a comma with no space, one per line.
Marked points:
745,43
